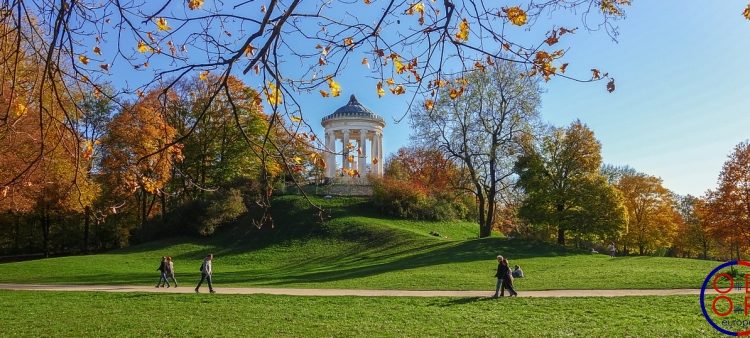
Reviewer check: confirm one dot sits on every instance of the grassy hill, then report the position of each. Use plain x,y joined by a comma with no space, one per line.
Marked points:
356,248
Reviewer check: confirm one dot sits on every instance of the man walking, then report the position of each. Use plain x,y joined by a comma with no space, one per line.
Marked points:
206,271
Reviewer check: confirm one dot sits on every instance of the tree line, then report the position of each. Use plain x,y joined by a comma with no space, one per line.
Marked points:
528,179
118,171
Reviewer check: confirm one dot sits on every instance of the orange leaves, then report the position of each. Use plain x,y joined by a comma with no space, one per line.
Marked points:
143,47
334,87
380,90
84,60
317,160
543,64
429,104
463,31
611,85
746,12
366,62
203,76
397,63
324,93
398,90
162,25
195,4
610,7
249,50
348,41
273,94
516,15
563,67
21,109
417,8
97,50
595,74
88,150
104,67
456,92
479,66
350,172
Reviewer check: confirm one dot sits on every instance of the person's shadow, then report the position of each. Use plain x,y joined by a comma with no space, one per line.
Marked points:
462,301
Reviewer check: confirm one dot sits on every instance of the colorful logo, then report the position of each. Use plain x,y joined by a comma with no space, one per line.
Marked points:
723,305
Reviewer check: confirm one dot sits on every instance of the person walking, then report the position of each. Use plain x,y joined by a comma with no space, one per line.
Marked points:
163,269
612,249
170,271
206,272
504,278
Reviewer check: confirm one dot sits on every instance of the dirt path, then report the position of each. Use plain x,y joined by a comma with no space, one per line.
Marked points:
351,292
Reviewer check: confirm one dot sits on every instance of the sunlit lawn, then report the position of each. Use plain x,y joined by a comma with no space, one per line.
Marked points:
73,314
357,249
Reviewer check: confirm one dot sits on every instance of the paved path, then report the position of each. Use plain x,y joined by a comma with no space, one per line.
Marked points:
351,292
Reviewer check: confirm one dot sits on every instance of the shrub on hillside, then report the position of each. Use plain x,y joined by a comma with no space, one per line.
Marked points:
401,199
204,216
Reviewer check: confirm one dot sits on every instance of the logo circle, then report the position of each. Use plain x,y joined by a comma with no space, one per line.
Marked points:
703,297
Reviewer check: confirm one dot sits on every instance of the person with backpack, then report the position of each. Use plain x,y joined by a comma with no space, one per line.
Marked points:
206,272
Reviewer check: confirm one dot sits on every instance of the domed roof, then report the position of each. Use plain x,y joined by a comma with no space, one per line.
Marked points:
353,109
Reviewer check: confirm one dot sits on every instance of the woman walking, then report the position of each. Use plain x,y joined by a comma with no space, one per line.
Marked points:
170,271
163,270
504,278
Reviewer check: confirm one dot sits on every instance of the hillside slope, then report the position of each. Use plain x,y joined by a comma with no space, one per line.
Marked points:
356,248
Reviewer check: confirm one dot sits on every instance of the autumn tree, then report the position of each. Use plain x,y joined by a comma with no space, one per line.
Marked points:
728,206
560,175
287,47
479,128
693,233
424,167
227,143
42,166
652,218
134,133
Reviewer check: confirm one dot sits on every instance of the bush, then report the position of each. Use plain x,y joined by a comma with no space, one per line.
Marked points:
401,199
204,216
222,209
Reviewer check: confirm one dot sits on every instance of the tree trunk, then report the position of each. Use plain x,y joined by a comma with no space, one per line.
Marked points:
163,208
483,231
45,230
86,217
143,215
560,229
561,236
17,239
640,250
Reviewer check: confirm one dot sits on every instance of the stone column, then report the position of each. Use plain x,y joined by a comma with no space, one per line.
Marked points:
374,155
381,160
361,161
330,154
345,150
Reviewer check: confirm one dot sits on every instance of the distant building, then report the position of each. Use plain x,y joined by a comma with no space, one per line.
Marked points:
362,130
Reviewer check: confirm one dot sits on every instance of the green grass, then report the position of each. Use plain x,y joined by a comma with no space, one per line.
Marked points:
74,314
356,248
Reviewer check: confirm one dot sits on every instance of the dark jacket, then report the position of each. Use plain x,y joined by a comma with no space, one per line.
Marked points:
162,267
502,271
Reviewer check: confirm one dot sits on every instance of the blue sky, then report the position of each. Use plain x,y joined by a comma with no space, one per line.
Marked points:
682,100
